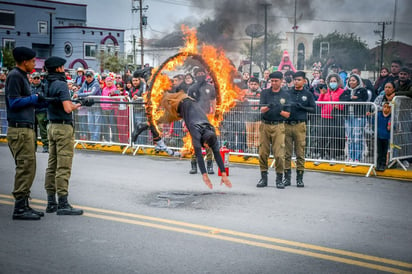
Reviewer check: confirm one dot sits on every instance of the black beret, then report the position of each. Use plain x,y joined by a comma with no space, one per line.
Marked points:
299,74
54,62
276,74
21,54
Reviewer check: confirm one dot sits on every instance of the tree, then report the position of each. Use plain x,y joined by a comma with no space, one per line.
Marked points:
111,62
347,48
8,60
274,52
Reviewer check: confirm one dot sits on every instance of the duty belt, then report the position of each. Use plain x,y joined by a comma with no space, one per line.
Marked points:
272,122
64,122
295,122
21,125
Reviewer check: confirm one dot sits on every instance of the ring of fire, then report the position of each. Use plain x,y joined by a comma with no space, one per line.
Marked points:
214,61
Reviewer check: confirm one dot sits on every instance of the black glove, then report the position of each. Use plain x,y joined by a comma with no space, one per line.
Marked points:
40,97
88,102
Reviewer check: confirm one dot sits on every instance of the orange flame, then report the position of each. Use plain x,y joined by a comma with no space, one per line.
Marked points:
218,64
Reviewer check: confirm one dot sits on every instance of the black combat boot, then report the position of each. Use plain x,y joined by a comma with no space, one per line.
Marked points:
194,167
287,178
279,182
263,182
299,178
22,212
41,214
64,208
51,204
210,167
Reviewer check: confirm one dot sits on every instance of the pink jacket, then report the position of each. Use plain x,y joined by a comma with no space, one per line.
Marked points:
107,92
330,96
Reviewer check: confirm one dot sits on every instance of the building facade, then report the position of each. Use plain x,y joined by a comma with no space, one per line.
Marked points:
57,29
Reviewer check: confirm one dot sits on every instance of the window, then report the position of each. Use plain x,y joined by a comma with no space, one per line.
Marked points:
7,19
9,44
43,29
110,47
68,49
90,50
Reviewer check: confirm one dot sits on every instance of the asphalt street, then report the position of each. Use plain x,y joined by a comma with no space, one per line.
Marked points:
146,214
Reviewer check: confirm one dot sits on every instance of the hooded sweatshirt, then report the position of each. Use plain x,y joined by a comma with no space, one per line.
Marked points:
286,63
362,96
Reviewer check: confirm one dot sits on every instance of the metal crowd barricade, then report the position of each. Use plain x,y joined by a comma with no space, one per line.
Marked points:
401,130
3,115
344,133
346,137
103,123
240,128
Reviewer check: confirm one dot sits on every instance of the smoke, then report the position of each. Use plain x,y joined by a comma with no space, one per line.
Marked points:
228,19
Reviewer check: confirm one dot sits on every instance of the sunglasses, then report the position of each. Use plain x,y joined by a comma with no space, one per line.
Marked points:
38,78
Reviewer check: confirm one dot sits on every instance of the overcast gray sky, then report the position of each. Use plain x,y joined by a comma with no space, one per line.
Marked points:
317,16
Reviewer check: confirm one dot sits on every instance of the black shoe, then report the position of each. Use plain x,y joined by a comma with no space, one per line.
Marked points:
380,168
194,167
64,208
41,214
23,212
51,204
279,181
263,182
287,178
299,179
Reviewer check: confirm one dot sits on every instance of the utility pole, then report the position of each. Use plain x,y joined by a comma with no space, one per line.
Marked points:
143,22
382,33
265,6
50,34
394,20
294,37
134,49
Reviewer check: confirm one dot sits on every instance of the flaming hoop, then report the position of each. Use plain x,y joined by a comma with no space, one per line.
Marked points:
214,61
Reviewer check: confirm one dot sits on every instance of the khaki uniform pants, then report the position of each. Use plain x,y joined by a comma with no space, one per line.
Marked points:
252,134
295,136
272,135
21,144
61,150
209,155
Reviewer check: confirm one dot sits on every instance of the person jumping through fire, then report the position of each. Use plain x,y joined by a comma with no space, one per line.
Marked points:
180,106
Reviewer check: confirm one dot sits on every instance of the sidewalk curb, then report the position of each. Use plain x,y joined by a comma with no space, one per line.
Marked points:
398,174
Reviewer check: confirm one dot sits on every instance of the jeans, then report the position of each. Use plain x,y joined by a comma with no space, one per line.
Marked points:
355,131
94,121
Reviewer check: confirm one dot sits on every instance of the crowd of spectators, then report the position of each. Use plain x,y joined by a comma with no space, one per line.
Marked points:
339,127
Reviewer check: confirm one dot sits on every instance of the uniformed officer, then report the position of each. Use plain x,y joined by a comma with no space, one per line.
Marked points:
274,110
205,94
20,105
61,139
302,102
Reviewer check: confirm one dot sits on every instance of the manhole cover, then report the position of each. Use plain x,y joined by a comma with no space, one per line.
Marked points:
180,199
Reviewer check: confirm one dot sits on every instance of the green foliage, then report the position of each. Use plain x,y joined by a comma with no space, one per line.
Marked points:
347,48
112,62
274,53
8,60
